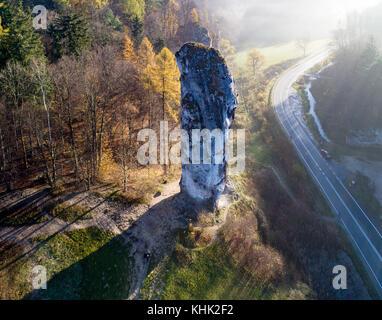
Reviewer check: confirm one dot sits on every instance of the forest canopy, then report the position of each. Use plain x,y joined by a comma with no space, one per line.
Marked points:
74,96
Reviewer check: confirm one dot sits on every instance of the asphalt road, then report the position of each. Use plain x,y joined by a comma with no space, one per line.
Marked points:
364,235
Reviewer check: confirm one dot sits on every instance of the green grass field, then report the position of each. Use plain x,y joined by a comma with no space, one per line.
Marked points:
282,52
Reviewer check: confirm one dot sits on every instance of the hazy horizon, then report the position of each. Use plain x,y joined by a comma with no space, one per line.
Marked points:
265,22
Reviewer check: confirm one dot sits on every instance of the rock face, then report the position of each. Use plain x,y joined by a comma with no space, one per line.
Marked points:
208,102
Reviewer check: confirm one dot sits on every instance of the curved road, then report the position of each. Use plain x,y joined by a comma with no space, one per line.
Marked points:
364,235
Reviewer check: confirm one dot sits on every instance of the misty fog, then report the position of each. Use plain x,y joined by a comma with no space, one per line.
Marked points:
266,22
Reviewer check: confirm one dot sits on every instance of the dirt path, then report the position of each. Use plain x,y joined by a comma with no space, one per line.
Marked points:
223,205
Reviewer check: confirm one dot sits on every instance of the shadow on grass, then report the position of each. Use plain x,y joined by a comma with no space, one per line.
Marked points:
102,275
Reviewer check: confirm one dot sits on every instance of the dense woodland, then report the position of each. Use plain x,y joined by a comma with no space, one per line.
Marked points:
350,92
74,96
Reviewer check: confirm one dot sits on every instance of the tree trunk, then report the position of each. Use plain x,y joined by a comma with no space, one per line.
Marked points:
51,146
72,140
45,161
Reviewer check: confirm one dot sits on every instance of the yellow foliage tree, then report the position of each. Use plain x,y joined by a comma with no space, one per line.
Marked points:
107,165
146,53
164,79
2,30
128,50
194,15
227,50
85,6
255,61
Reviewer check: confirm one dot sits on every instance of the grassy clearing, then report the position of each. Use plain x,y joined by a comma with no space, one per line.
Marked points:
83,264
258,150
213,274
14,278
280,53
207,274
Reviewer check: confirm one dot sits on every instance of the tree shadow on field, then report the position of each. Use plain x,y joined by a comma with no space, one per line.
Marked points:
118,269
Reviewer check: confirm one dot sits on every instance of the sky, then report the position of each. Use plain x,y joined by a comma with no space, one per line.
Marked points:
271,21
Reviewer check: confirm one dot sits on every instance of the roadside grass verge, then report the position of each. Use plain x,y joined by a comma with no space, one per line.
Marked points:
84,264
364,192
359,265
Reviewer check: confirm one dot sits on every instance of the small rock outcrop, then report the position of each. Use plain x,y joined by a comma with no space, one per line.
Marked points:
208,102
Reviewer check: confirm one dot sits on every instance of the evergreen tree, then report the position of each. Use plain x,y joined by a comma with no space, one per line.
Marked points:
159,44
112,21
19,41
70,35
137,30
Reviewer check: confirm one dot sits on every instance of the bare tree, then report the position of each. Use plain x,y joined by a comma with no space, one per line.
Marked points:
186,7
303,44
68,98
42,78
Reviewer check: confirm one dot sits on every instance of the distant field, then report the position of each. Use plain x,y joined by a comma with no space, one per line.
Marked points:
279,53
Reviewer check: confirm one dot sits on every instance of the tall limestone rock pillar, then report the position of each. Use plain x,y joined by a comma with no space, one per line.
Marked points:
208,102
